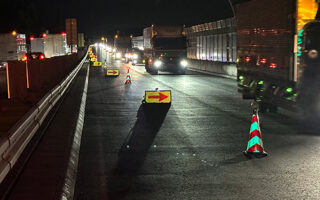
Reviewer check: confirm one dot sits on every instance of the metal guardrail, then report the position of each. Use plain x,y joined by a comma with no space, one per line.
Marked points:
14,142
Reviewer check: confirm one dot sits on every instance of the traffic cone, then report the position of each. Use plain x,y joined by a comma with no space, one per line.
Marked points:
255,144
128,79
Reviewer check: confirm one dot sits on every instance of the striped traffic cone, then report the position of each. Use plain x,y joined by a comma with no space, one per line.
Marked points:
255,144
128,79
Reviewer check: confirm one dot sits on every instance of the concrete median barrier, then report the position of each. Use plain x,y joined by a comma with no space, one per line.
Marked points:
218,68
13,143
3,83
39,75
17,80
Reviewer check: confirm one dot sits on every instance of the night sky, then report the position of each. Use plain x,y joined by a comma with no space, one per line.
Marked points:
105,17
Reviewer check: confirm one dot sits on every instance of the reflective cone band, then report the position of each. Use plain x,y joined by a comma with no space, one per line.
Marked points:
128,79
255,144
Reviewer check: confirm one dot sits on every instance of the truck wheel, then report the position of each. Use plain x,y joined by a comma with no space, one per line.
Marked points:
154,72
247,96
273,108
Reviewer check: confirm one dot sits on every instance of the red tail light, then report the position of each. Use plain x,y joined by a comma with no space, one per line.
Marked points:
44,34
273,65
63,34
42,57
24,58
247,59
150,61
31,38
263,60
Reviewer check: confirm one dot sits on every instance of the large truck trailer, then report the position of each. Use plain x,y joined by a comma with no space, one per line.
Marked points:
51,45
276,42
165,49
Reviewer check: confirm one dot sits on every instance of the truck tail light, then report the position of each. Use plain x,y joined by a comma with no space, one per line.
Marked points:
42,57
263,60
24,58
273,65
150,61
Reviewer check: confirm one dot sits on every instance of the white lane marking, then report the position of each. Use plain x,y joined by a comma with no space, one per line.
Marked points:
71,175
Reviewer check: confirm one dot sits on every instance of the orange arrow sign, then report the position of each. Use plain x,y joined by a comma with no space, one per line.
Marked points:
112,72
161,97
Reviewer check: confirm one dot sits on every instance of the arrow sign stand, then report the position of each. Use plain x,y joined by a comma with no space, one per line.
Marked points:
158,96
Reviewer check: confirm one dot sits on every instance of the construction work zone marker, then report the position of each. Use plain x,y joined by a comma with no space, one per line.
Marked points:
112,72
157,96
255,144
97,64
93,59
128,78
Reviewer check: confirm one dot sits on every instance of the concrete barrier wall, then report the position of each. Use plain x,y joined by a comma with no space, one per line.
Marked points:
17,77
3,83
43,75
222,68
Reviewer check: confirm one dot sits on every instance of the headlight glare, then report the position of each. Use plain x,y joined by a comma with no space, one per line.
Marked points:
184,63
158,63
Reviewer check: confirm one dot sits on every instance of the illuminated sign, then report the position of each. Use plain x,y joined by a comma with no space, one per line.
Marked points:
97,64
158,96
112,72
307,11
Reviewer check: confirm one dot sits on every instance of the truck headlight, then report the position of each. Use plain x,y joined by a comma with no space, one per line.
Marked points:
118,55
184,63
135,56
158,63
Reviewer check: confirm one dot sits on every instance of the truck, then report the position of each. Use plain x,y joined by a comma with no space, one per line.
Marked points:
165,49
277,54
50,45
12,47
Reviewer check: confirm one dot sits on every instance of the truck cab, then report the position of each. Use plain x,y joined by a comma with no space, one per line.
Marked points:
168,51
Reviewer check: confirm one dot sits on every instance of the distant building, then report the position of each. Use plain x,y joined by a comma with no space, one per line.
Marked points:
72,34
13,47
80,40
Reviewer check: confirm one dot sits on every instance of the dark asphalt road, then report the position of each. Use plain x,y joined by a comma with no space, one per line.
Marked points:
193,150
190,151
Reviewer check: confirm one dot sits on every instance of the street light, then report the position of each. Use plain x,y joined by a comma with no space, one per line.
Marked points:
103,38
14,33
116,36
131,36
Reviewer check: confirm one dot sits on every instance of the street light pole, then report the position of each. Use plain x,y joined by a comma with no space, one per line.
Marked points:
232,8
